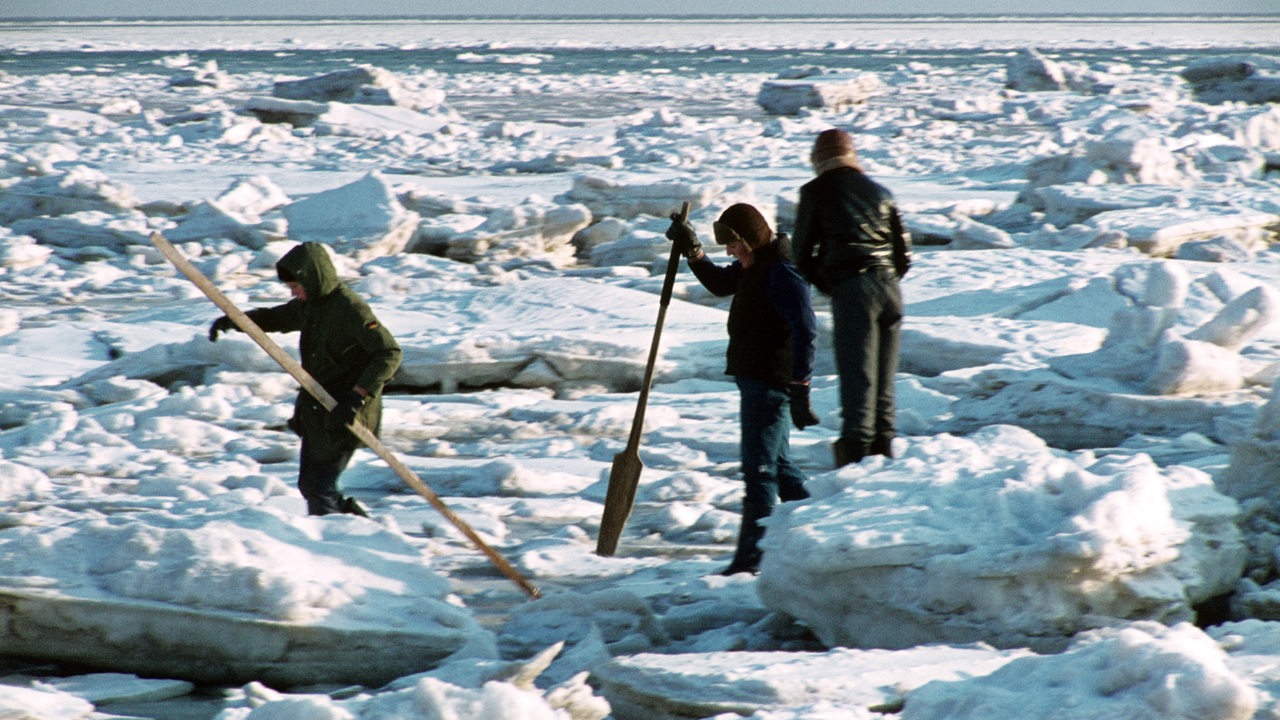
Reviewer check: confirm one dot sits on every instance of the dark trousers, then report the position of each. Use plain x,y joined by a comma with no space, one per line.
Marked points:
866,312
767,469
320,464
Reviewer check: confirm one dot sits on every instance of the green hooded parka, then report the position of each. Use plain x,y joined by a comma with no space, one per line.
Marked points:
342,344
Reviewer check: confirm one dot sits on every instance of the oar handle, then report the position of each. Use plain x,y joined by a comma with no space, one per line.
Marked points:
673,265
668,284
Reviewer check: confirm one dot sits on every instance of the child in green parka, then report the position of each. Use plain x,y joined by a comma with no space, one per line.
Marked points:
347,350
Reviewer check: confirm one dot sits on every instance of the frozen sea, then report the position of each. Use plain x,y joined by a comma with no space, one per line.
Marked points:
1080,520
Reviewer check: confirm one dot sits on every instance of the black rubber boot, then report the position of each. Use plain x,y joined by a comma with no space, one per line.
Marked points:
746,559
846,452
881,446
351,507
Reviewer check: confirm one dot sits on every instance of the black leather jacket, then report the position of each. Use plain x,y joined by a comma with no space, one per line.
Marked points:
846,224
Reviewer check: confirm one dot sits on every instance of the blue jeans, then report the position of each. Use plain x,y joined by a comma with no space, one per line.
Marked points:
767,470
866,313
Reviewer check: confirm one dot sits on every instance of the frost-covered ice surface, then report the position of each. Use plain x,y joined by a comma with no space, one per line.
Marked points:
940,550
1079,520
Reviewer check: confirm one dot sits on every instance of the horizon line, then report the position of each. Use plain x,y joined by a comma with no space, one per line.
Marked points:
646,16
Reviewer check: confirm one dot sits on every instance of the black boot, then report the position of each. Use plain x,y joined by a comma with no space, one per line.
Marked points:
846,452
746,559
351,507
881,446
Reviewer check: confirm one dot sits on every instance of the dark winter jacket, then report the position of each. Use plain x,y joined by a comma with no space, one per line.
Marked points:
342,344
772,329
846,223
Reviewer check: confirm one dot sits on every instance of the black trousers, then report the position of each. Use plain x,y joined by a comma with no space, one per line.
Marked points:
866,318
319,466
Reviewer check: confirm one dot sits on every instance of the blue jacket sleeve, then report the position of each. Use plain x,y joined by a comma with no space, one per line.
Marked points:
790,297
719,281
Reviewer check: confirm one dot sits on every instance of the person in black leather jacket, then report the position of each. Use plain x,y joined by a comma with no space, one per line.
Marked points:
850,244
772,340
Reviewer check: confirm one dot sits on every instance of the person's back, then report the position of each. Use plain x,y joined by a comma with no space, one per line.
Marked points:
851,245
851,225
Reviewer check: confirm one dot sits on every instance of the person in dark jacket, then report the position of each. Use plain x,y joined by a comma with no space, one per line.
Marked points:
347,351
772,336
850,244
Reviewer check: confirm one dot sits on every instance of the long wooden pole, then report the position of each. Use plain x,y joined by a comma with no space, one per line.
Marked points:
317,390
624,475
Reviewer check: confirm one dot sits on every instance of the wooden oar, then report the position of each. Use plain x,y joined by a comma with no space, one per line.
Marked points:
624,476
250,328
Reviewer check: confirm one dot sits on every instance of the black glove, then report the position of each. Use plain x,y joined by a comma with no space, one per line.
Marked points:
801,414
221,325
346,406
685,239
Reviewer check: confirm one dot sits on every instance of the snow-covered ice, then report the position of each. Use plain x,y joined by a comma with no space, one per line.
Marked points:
1080,520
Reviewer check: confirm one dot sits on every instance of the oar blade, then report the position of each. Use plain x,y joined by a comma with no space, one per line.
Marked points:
624,477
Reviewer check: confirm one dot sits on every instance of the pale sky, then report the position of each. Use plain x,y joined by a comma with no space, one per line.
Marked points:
17,9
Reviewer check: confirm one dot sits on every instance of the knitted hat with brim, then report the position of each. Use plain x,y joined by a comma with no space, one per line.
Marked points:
742,222
833,148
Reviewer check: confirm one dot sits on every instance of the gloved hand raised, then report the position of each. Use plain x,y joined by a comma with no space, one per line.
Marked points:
684,237
346,406
221,325
801,413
